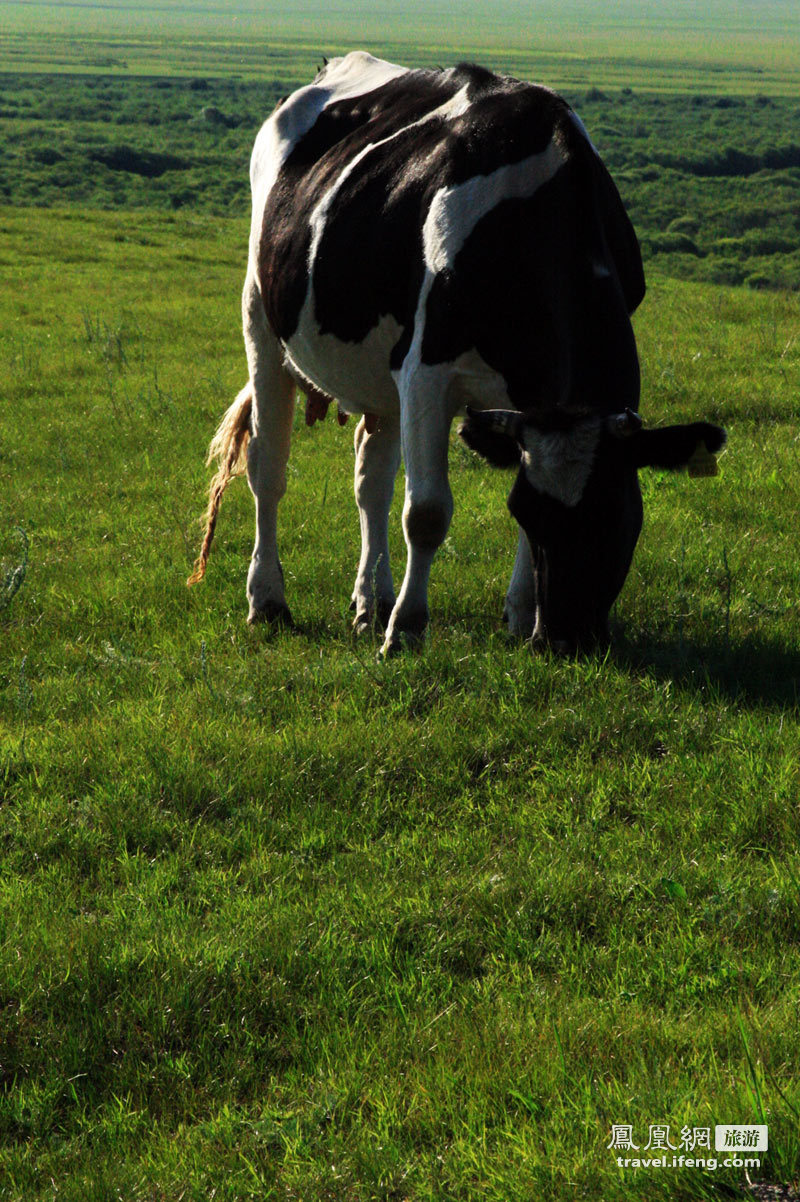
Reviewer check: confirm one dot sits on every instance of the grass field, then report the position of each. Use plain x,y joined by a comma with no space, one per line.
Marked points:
724,46
281,921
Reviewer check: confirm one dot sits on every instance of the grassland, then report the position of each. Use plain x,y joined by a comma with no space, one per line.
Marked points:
662,45
279,921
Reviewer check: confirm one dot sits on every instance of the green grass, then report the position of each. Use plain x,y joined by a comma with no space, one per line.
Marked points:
281,921
662,45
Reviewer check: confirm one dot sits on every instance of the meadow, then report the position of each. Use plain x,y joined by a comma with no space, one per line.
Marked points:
278,920
725,46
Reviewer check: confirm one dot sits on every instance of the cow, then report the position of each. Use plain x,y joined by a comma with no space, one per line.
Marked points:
432,242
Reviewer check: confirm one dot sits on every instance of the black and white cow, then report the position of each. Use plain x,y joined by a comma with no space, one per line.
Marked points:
423,242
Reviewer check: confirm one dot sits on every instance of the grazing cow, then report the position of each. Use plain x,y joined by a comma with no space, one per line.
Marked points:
422,242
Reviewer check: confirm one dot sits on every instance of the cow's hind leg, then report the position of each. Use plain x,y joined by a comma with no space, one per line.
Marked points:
267,456
425,426
377,461
520,607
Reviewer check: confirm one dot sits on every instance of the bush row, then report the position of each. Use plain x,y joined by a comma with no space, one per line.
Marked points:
712,183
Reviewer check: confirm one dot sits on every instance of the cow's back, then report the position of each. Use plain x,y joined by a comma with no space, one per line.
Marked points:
455,204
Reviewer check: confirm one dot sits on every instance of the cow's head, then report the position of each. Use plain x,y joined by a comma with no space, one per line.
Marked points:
577,499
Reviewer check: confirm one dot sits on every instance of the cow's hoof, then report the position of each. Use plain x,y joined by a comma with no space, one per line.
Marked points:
402,641
363,623
410,636
368,620
561,647
274,613
520,615
518,628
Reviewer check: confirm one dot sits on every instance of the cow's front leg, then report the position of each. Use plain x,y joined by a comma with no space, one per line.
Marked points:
377,461
520,610
267,456
425,424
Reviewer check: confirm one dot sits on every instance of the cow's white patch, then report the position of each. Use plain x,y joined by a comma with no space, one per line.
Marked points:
354,75
466,380
357,73
473,382
356,374
560,463
455,211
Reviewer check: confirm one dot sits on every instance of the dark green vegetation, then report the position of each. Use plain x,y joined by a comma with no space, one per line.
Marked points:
119,143
712,182
278,921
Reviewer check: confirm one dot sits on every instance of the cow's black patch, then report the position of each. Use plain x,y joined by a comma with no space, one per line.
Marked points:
369,261
524,292
477,78
501,450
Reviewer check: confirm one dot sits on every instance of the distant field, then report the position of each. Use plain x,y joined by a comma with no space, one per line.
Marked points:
676,46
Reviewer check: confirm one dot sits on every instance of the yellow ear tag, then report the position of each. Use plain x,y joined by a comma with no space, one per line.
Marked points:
702,462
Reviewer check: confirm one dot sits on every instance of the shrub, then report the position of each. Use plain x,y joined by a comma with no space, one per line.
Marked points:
684,225
779,157
673,243
214,117
147,163
769,243
48,155
759,281
731,161
725,271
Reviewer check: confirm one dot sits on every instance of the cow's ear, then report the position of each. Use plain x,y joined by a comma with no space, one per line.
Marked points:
494,434
674,447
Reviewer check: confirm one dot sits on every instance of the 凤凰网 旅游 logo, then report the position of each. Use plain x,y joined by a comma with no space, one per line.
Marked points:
663,1147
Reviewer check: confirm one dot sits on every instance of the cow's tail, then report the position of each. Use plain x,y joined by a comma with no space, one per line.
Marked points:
229,448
